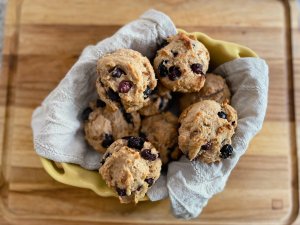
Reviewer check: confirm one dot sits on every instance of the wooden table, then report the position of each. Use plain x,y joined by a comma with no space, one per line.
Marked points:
44,38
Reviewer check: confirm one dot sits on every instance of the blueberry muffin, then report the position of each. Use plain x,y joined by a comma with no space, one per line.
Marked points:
161,131
102,126
215,88
125,78
206,130
130,166
159,100
182,63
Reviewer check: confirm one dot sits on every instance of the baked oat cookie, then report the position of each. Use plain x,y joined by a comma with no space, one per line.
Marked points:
159,100
206,130
161,131
102,127
182,63
215,88
125,78
130,166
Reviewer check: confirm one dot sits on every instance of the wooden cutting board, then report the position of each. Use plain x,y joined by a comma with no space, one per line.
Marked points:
44,38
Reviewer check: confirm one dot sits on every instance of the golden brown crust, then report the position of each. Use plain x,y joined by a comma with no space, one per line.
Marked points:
158,102
205,128
161,131
181,53
102,121
125,170
215,88
135,68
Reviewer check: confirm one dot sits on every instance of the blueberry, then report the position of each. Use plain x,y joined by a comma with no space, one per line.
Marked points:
136,142
121,191
125,86
226,151
149,181
105,156
108,140
207,146
175,53
139,187
174,73
100,103
117,72
146,154
147,92
113,95
162,69
85,114
222,115
197,68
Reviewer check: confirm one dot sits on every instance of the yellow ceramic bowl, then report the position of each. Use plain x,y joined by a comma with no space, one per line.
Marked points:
74,175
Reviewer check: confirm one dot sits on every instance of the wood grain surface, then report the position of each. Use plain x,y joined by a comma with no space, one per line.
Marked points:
44,38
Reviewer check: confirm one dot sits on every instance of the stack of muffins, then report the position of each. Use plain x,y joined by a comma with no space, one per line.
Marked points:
131,122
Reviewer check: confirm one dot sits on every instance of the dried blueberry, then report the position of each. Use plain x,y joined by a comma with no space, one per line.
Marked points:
147,92
207,146
108,140
174,73
117,72
85,114
233,123
162,69
175,53
113,95
100,103
197,68
222,115
163,44
105,156
121,191
136,142
149,181
226,151
125,86
146,154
